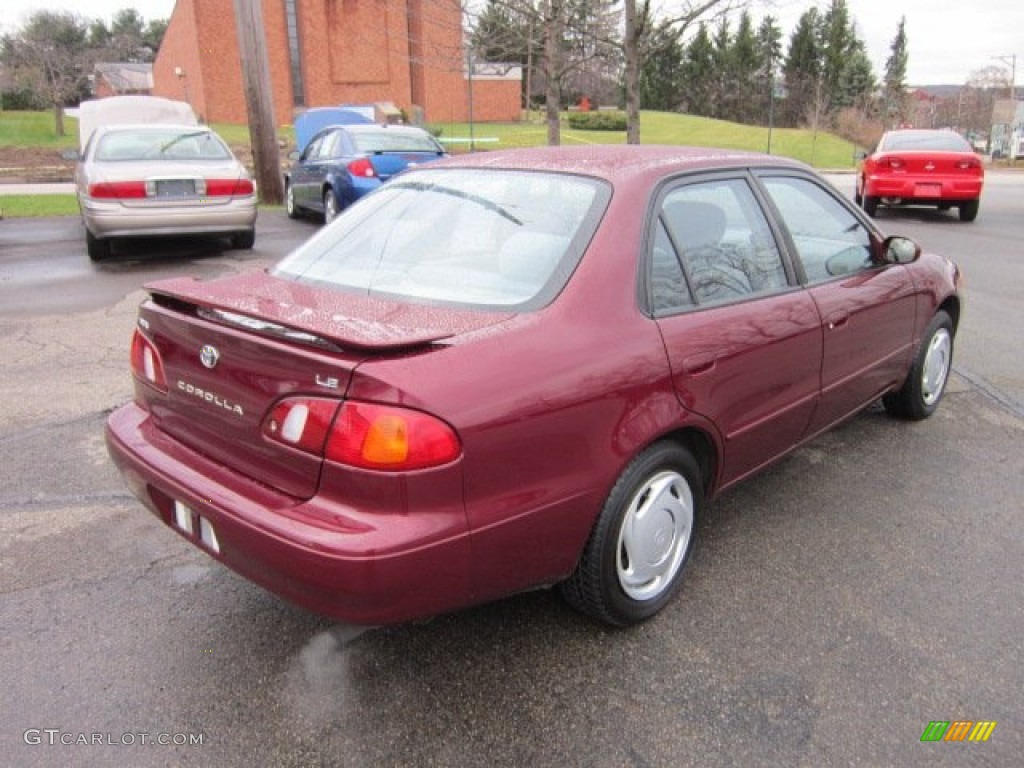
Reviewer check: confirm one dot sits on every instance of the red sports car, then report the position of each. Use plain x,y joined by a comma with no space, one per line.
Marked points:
922,167
518,369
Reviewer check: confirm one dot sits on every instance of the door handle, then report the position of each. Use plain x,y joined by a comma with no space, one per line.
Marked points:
838,320
698,364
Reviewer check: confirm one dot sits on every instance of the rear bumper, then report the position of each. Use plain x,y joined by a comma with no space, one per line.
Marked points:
111,219
363,567
923,189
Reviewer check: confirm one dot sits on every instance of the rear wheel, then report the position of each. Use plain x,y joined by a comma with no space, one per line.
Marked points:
634,560
920,394
98,249
969,210
243,241
330,206
870,204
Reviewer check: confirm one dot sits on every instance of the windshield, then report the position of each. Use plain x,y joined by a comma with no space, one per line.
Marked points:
941,141
393,141
161,144
481,238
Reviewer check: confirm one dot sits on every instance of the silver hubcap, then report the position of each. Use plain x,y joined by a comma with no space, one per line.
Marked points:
654,536
289,199
936,366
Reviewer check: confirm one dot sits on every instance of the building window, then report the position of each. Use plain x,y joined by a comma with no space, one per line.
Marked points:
294,54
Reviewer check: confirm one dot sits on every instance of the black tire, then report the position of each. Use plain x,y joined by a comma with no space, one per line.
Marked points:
656,502
293,211
244,241
98,249
331,209
858,198
926,383
870,205
969,210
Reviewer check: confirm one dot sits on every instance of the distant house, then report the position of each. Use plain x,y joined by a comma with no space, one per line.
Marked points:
331,52
1007,138
122,79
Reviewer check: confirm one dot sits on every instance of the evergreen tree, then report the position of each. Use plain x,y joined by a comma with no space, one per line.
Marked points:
661,71
895,100
802,69
697,73
723,95
769,54
746,62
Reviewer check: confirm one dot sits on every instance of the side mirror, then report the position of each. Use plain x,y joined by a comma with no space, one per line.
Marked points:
900,250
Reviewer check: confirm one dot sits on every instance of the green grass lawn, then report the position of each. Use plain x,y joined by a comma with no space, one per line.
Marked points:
822,150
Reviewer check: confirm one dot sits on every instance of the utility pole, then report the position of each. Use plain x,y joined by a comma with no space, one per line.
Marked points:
1012,61
252,45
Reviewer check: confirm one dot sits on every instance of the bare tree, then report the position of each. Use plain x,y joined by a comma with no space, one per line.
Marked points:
51,55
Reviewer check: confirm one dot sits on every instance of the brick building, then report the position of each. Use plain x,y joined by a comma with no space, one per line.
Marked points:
331,52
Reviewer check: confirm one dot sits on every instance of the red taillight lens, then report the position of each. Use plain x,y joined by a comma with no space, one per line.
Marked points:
390,439
146,363
301,422
118,190
968,163
893,163
226,187
362,167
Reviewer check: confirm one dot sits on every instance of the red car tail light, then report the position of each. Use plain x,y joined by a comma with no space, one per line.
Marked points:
968,163
391,439
146,363
226,187
302,422
893,163
362,167
118,190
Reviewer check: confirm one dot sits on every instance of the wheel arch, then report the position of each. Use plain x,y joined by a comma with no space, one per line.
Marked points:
951,306
703,449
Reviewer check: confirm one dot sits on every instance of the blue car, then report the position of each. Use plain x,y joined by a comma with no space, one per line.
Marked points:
341,163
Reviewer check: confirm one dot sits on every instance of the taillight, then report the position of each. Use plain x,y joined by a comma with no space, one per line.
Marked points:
226,187
362,167
894,163
387,438
118,190
301,422
968,163
146,363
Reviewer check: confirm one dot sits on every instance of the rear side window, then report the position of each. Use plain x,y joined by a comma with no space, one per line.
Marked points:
719,239
467,237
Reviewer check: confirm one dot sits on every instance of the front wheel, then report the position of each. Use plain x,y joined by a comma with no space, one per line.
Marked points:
920,394
634,560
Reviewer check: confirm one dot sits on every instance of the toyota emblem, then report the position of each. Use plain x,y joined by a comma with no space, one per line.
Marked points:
209,356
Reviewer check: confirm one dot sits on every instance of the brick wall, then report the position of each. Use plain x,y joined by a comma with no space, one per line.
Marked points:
354,51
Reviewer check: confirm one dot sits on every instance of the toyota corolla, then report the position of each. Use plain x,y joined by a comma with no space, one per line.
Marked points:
521,369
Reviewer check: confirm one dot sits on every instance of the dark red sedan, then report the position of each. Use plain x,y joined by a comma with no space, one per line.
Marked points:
520,369
934,168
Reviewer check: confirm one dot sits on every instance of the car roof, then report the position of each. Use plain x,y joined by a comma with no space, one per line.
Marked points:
619,162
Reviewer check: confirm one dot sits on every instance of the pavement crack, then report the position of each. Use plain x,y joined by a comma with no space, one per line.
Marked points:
1004,399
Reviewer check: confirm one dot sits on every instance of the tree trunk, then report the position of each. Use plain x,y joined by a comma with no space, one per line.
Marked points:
553,31
631,41
58,118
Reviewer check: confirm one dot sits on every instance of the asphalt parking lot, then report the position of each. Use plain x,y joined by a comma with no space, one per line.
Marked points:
837,603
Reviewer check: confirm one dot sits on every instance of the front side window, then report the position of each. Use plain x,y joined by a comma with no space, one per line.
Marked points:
467,237
829,239
722,240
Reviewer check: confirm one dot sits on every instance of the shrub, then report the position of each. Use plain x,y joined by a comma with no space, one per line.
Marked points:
597,121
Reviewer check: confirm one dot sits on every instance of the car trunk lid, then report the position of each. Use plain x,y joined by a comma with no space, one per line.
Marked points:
233,349
387,164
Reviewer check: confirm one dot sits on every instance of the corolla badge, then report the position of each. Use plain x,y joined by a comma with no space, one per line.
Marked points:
209,356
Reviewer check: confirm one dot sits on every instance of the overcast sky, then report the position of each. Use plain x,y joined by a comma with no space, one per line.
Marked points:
947,40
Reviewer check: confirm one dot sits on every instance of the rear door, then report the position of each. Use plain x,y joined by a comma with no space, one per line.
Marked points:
743,340
867,308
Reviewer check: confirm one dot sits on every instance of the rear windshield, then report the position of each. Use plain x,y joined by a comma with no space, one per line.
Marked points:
393,141
940,141
490,239
160,144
